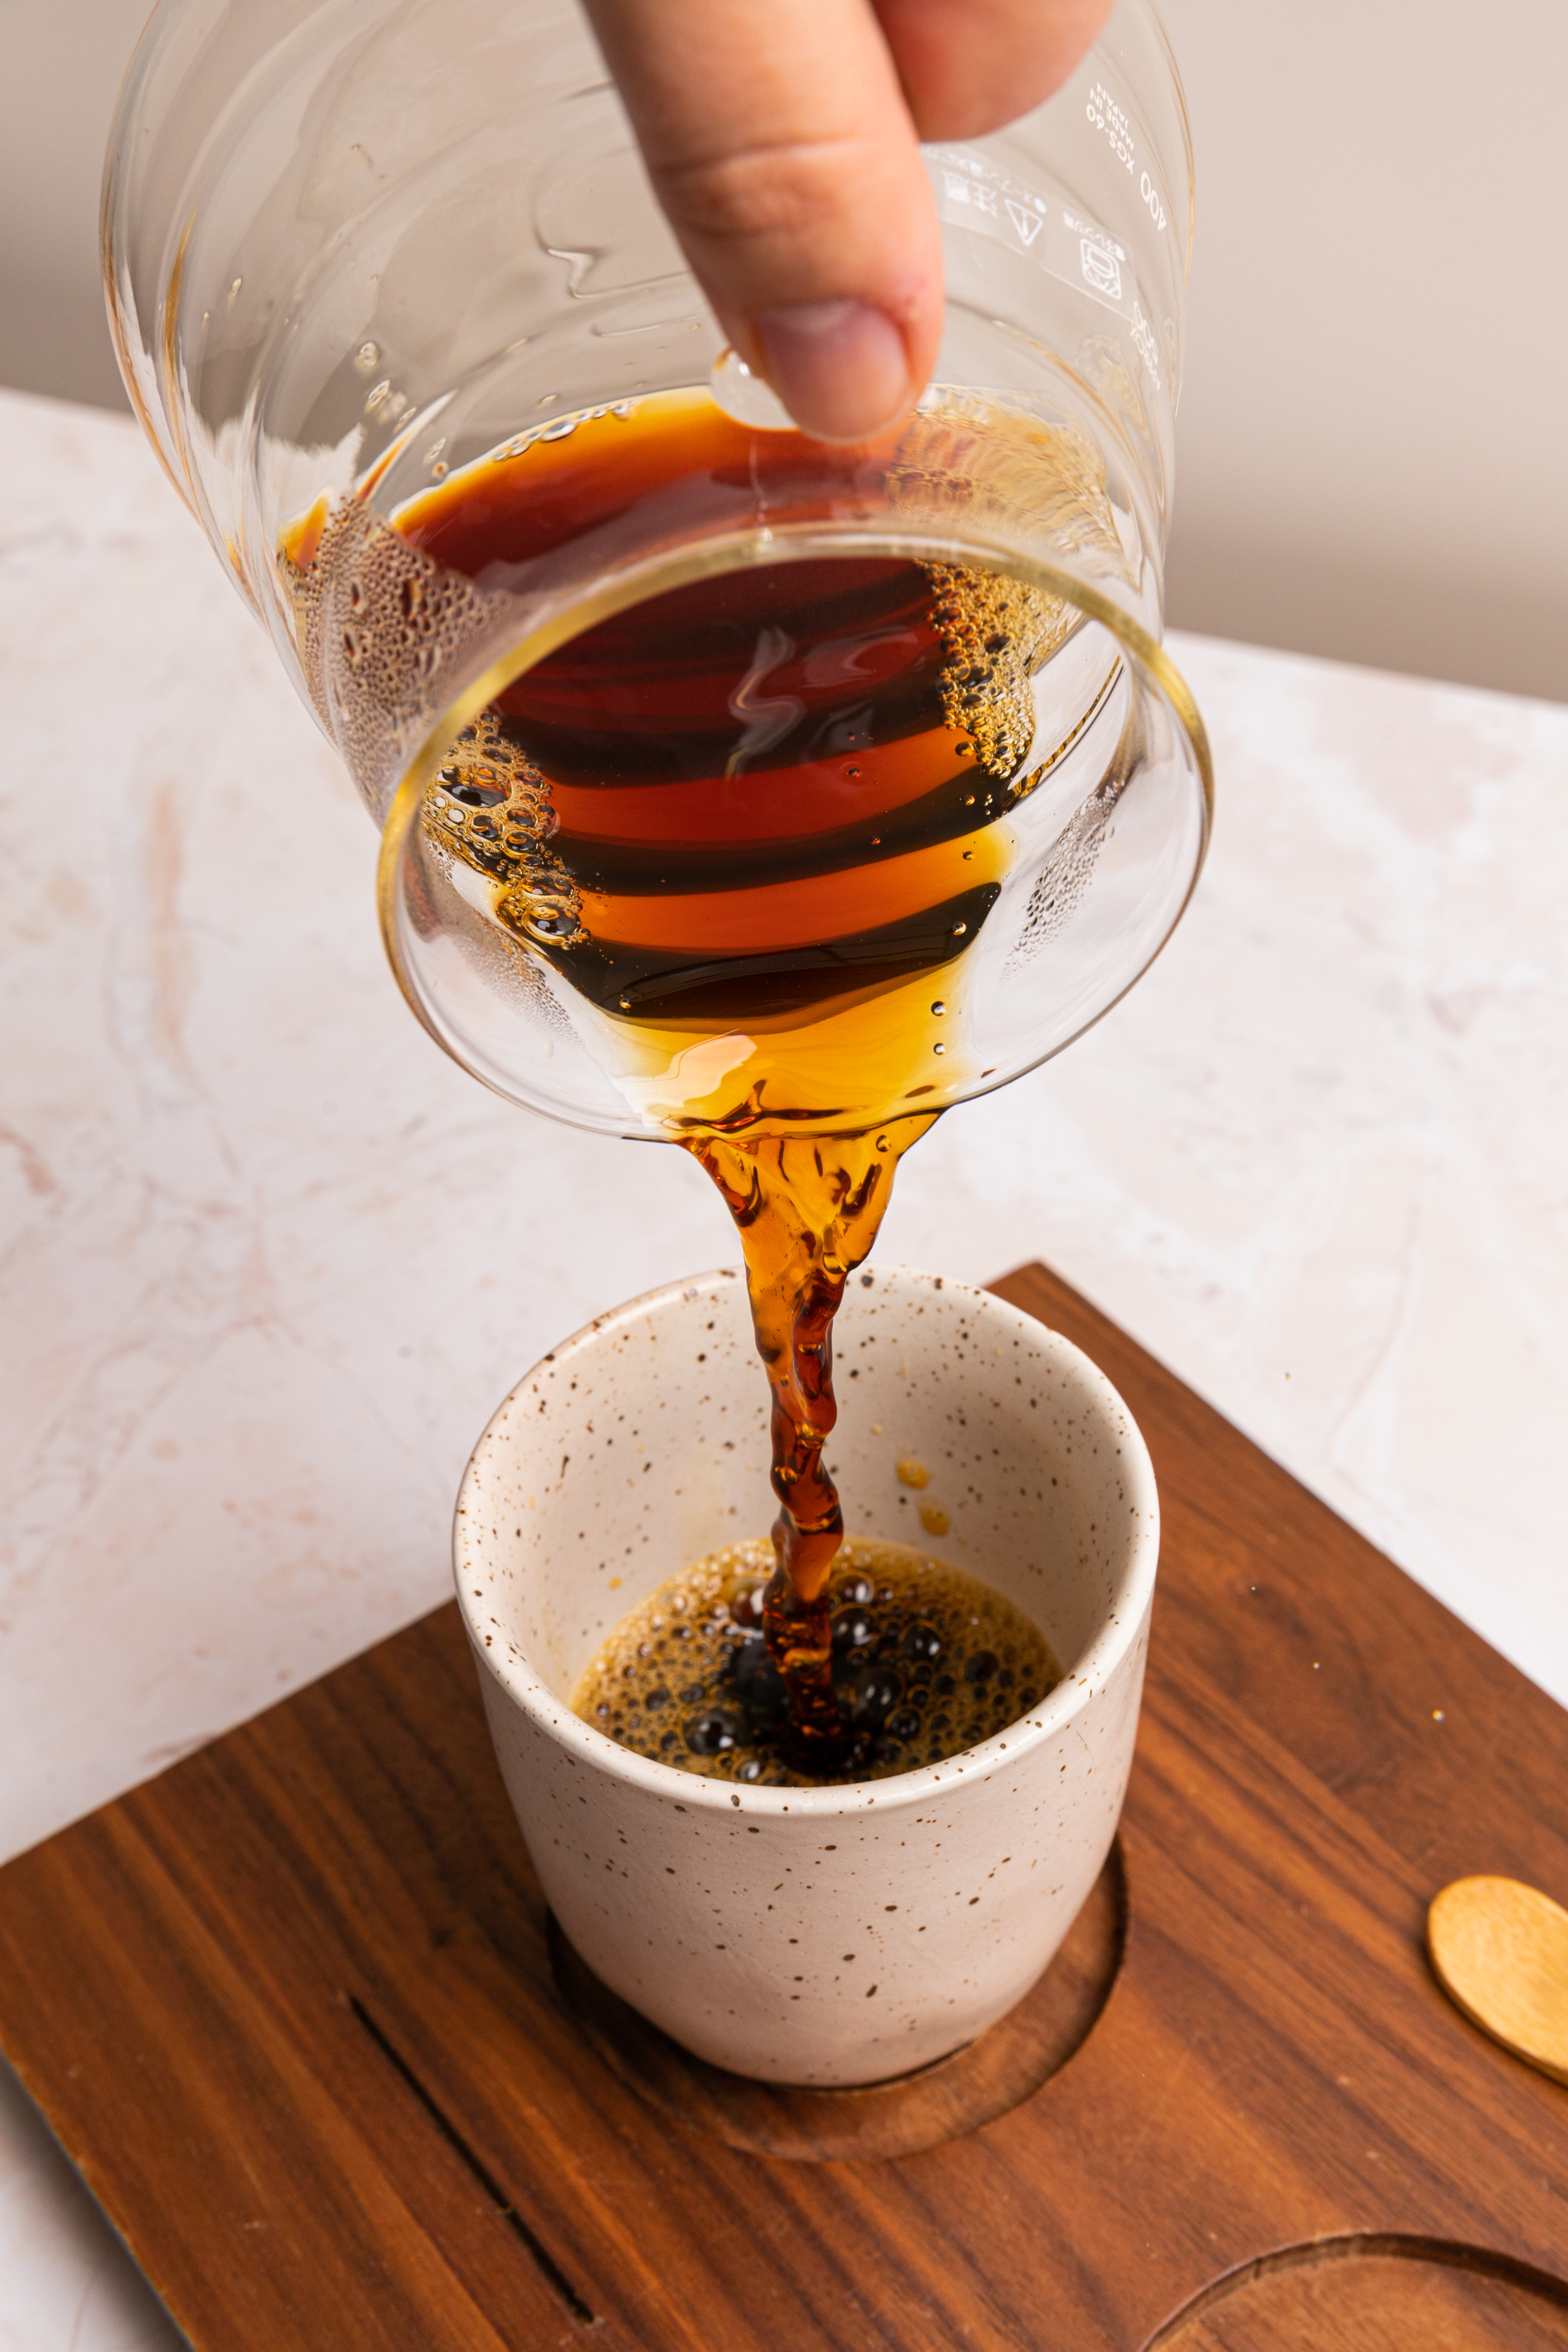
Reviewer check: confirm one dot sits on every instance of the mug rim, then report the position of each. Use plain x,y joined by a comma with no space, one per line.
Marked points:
527,1689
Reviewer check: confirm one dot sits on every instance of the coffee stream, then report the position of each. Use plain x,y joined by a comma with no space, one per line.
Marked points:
807,1208
748,828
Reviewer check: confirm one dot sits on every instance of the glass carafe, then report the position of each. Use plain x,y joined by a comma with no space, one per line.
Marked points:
368,259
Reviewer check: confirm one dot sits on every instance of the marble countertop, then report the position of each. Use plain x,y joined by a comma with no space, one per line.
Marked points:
268,1260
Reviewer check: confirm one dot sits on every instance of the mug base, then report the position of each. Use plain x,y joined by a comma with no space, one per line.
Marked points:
942,2101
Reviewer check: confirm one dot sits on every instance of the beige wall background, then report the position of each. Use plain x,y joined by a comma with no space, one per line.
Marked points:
1374,432
1373,441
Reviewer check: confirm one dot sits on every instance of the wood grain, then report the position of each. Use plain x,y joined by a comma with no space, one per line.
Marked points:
291,2009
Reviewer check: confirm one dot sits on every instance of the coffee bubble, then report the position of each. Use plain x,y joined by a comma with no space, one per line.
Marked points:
910,1633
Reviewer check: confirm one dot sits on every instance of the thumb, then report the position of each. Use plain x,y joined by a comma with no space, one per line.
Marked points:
782,150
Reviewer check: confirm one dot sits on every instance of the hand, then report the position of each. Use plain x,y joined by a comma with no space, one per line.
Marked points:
782,138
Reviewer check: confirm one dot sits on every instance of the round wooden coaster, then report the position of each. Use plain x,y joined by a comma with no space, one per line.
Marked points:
1375,2294
941,2101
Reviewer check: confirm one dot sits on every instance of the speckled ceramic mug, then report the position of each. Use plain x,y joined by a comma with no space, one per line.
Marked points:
824,1936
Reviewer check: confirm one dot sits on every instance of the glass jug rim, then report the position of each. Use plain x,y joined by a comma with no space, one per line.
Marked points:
634,583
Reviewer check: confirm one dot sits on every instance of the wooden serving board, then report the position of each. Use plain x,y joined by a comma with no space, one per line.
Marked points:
291,2009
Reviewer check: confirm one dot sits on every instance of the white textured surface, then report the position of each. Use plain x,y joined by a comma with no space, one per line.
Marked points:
65,2285
268,1262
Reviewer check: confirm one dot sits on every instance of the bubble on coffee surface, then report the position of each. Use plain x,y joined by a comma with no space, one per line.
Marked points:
928,1663
999,633
490,808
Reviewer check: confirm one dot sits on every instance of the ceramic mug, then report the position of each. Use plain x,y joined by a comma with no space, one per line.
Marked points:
833,1936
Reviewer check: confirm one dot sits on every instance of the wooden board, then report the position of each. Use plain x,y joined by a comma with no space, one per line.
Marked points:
290,2009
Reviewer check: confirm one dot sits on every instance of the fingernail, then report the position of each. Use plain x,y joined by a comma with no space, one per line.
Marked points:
839,367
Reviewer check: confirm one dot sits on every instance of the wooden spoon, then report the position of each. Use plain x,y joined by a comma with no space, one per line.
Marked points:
1500,1952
